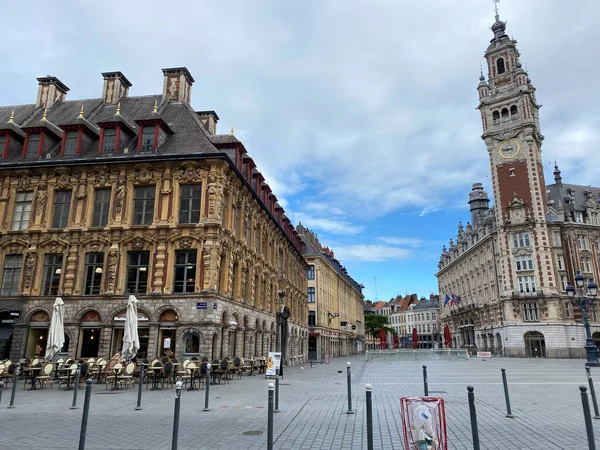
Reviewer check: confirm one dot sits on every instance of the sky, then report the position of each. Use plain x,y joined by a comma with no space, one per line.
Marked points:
360,113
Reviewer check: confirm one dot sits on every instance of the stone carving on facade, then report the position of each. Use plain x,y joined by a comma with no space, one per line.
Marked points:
190,173
64,179
166,185
30,260
120,192
507,134
213,195
138,243
23,180
113,260
185,243
103,176
144,173
41,198
522,251
81,193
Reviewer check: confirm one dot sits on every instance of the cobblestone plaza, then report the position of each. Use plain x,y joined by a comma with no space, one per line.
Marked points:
544,395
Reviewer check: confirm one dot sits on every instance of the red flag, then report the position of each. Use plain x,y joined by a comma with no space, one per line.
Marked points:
447,336
415,339
382,339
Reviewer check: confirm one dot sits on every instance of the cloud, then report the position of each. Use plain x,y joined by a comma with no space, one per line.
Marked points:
371,253
411,242
325,224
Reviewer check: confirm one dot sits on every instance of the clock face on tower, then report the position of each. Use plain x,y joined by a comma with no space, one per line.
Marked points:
509,148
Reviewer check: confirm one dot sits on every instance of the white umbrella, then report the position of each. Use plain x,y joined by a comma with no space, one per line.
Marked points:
56,334
131,340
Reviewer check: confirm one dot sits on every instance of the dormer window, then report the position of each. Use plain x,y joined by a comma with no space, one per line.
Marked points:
33,145
70,143
3,142
148,138
500,66
109,140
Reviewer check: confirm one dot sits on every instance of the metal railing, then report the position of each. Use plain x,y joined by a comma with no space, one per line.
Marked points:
403,354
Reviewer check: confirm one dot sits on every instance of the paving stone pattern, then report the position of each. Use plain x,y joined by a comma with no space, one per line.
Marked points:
544,395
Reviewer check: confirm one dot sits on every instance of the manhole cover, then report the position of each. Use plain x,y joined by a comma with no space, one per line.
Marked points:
284,384
252,433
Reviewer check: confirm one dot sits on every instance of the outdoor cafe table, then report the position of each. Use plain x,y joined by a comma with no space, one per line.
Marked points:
33,371
116,368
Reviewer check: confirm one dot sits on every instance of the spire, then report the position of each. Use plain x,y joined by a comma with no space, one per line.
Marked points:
118,112
155,109
232,131
45,115
11,119
81,113
481,77
498,27
557,175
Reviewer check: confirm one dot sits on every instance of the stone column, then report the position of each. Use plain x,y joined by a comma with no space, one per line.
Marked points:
159,268
71,269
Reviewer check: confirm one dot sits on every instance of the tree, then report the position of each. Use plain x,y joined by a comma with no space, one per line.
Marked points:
374,323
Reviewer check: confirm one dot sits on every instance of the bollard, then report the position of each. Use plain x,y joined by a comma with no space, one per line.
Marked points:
77,374
1,389
509,413
588,418
14,389
473,414
369,417
86,412
270,418
276,410
592,392
425,386
176,417
349,380
207,387
140,383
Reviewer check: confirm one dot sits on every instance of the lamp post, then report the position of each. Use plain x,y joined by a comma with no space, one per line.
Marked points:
279,329
592,288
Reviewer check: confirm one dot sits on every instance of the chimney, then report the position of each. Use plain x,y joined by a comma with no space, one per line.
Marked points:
177,85
50,91
209,119
116,85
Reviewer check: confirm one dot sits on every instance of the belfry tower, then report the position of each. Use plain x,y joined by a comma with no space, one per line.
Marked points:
511,132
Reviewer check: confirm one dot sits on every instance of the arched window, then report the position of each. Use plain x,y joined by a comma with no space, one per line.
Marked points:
500,66
514,112
192,345
496,116
505,115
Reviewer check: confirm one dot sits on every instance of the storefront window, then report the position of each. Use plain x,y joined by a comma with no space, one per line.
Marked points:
89,335
119,329
167,333
38,335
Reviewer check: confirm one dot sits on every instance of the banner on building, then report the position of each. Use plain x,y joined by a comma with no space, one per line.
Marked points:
273,364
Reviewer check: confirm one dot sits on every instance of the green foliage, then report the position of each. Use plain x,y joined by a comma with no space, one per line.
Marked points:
374,323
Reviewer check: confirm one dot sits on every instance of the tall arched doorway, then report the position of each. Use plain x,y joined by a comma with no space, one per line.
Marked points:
596,338
535,344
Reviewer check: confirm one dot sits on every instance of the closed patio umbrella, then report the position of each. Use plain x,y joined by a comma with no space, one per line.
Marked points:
131,340
415,338
56,333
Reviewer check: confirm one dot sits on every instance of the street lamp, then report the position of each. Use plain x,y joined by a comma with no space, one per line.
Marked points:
279,329
592,288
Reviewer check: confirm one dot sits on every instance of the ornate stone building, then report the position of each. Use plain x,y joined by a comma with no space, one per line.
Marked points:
511,264
335,301
123,195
